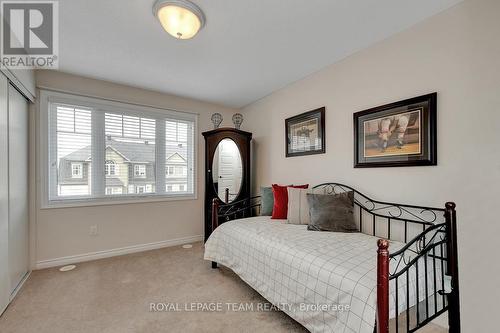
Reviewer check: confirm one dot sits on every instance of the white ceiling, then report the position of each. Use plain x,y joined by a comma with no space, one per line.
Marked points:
248,48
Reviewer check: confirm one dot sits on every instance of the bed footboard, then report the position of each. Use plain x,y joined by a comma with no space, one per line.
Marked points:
434,253
226,212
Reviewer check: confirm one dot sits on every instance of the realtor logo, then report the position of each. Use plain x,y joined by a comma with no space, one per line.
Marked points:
29,36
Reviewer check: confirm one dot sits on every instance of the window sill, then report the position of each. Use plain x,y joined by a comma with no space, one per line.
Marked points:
73,203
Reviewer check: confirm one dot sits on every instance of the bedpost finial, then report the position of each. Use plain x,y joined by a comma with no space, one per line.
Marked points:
450,205
383,244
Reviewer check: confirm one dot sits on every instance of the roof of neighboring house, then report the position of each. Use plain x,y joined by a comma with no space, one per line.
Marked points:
131,151
79,155
176,158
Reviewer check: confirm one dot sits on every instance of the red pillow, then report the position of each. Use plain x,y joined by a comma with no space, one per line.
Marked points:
280,194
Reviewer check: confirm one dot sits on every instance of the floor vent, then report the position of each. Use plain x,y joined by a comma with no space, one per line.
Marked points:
67,268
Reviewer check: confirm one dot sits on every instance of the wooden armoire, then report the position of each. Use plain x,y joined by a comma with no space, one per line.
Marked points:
227,168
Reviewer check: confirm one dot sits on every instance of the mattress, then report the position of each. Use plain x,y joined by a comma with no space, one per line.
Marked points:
325,280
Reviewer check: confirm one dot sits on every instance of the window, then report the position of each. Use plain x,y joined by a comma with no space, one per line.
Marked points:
112,149
130,142
72,131
178,153
176,171
110,169
176,187
140,171
180,171
76,170
114,190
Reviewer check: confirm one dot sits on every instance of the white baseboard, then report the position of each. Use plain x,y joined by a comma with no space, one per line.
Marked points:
115,252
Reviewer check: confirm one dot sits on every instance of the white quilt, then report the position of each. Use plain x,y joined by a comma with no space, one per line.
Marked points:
310,275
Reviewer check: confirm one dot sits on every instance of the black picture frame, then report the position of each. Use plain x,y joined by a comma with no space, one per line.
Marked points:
315,121
406,134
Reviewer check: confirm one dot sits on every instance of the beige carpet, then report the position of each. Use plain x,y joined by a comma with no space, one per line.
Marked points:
114,295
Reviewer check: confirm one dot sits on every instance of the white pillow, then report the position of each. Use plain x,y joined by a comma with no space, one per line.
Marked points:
298,208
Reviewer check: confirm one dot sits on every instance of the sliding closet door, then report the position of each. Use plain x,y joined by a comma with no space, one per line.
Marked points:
4,199
18,188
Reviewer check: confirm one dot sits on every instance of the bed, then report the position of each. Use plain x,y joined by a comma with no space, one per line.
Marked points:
345,282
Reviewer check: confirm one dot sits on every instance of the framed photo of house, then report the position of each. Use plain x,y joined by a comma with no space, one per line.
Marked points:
397,134
305,133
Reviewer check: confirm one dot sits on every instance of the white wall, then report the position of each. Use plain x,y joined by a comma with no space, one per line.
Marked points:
457,54
64,232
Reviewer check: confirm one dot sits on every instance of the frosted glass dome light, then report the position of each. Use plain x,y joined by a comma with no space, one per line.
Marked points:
180,18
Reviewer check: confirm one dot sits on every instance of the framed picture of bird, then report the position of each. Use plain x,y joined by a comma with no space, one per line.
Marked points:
305,133
397,134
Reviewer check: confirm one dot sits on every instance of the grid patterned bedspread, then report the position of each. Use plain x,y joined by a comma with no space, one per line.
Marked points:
310,275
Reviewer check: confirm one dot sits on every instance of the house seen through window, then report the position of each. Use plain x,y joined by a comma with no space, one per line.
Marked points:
176,171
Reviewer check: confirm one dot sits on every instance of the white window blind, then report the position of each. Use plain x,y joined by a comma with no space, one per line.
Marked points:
107,152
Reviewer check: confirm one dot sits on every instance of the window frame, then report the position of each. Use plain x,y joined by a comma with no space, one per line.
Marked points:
46,171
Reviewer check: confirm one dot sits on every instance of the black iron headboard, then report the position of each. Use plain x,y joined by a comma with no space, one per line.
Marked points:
377,217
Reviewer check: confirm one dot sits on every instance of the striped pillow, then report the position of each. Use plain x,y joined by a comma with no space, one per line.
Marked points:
298,207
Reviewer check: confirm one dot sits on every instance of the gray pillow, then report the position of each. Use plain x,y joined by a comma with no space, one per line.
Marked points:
332,212
266,201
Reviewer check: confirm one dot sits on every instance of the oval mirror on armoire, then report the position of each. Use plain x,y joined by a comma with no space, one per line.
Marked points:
227,168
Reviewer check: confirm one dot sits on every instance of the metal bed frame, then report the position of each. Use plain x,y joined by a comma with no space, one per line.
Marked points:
429,234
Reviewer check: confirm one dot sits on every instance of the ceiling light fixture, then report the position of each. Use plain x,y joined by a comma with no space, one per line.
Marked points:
180,18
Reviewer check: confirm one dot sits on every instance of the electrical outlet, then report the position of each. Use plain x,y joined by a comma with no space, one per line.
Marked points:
93,230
